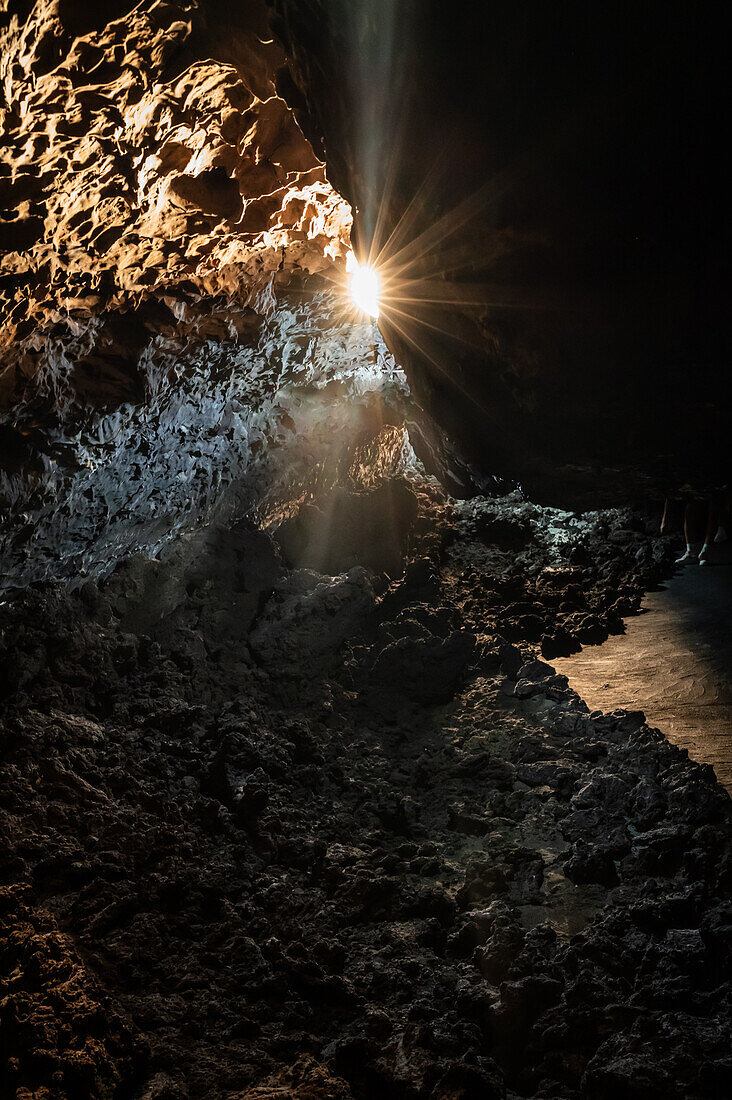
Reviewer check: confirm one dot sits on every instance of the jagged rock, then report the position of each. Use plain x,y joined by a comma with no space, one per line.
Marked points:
429,670
310,616
243,826
154,179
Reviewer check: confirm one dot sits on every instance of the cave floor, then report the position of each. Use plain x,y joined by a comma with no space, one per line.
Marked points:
672,663
266,832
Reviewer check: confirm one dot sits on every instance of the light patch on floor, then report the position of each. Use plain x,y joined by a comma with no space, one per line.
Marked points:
673,663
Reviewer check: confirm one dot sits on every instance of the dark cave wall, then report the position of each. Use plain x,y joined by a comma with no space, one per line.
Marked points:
589,359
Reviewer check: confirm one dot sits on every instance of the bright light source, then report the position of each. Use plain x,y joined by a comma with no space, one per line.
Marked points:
363,285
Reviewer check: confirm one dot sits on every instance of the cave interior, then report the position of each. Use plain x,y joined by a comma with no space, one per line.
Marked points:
358,361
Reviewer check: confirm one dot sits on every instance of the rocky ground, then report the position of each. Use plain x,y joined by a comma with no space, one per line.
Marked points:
271,832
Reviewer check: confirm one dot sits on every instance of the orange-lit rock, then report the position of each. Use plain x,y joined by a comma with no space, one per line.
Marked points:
147,158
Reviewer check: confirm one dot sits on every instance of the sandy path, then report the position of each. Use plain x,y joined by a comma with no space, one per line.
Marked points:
674,663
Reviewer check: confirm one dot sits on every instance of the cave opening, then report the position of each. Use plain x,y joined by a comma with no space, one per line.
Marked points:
364,578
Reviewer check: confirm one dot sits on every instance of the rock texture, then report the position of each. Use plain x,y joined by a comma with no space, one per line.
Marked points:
271,832
159,200
228,428
556,579
542,185
174,320
152,181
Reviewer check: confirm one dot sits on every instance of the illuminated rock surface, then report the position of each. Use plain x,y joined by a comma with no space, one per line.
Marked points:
170,245
152,180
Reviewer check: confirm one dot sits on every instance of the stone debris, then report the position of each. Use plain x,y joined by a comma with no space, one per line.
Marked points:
276,832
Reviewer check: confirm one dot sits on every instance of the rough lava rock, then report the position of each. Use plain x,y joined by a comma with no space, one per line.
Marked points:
153,180
274,832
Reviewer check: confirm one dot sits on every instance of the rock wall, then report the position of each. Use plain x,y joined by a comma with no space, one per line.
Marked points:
227,428
171,284
541,179
152,179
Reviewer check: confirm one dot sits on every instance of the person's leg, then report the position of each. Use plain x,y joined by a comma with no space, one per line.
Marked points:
672,519
710,530
693,528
